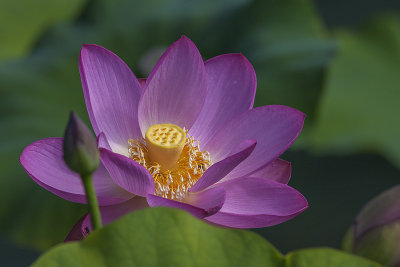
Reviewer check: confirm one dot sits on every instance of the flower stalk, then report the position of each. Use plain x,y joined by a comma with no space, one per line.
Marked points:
93,205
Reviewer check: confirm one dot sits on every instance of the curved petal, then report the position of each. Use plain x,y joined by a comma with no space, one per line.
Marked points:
274,128
112,95
108,214
111,213
210,200
200,205
127,173
156,201
176,88
43,161
142,82
279,170
220,169
231,82
256,202
78,231
102,141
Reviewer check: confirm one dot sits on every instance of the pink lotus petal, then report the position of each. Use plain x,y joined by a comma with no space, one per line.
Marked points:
78,231
231,82
156,201
274,128
279,170
112,95
43,161
210,200
256,202
176,88
200,205
108,214
111,213
220,169
248,221
127,173
102,141
142,82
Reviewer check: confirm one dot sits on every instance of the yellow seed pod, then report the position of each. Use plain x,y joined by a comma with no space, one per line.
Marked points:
165,143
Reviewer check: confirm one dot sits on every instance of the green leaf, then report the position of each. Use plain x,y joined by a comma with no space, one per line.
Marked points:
325,257
164,237
169,237
289,48
26,20
360,106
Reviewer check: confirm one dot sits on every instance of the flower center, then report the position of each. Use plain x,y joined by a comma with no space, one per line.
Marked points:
165,143
172,157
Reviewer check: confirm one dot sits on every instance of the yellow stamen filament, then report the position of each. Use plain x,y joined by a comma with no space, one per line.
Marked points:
174,182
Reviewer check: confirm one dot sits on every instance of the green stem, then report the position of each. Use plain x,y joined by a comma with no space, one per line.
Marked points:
93,205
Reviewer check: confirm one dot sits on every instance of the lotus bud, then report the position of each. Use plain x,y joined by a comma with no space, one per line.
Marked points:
80,148
375,233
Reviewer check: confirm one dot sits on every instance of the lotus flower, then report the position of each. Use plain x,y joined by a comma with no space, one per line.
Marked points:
186,137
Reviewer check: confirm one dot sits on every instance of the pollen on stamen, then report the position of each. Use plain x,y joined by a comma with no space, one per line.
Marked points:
174,183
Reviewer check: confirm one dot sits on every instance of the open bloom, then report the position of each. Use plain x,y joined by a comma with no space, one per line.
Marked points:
186,137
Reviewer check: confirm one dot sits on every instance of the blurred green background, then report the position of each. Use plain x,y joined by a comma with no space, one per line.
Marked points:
339,62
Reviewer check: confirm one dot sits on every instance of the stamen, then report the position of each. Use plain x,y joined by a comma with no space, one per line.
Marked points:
172,183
